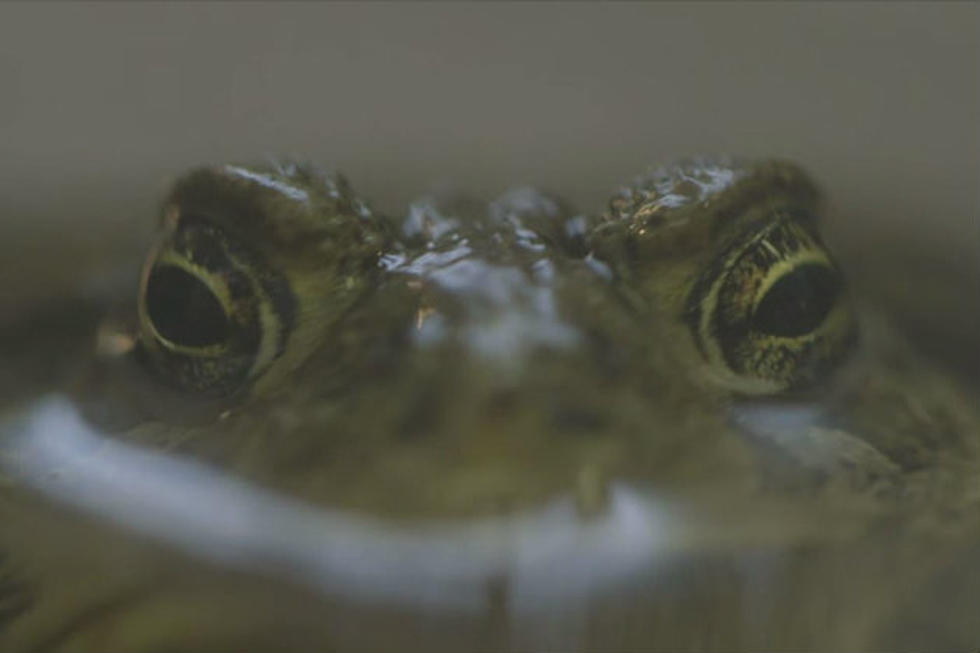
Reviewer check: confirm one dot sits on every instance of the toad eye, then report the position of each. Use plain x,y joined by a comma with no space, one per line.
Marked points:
770,314
183,310
799,300
252,269
212,314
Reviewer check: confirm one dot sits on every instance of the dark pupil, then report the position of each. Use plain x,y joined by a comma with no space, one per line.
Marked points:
182,308
798,302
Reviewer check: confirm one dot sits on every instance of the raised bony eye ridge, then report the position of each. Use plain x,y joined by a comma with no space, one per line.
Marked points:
207,321
251,269
771,314
729,249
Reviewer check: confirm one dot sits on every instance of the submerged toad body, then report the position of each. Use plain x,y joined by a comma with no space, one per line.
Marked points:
467,364
471,359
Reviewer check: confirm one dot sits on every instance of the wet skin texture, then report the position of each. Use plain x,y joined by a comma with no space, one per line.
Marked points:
470,359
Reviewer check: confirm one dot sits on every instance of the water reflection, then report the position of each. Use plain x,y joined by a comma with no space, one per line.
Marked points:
648,572
548,557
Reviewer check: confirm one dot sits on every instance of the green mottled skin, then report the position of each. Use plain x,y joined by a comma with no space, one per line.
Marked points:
478,360
486,362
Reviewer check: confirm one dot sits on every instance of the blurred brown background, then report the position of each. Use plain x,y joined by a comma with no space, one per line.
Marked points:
101,105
